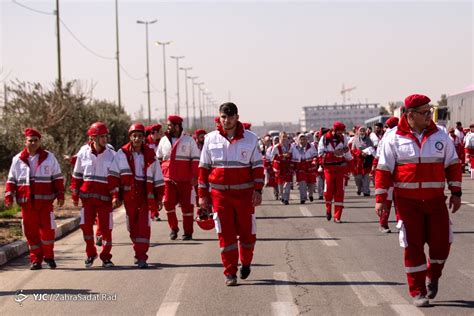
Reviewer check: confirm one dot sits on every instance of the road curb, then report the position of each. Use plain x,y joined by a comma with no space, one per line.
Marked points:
19,247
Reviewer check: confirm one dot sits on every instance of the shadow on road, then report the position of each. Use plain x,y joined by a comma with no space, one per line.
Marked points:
288,217
49,291
456,303
322,283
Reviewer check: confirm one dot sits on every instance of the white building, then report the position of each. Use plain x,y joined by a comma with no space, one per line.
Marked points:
461,107
315,117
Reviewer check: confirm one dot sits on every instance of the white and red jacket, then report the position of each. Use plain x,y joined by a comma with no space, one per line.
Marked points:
132,175
417,169
304,159
376,138
328,144
230,165
89,178
152,143
469,144
41,182
180,161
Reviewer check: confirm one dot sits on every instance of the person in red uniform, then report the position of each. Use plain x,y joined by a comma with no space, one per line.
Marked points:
363,153
281,163
89,183
417,159
303,156
179,156
334,150
35,180
135,178
153,137
231,166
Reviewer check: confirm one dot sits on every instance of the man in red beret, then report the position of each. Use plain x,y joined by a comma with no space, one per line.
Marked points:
247,126
179,156
199,136
417,159
35,180
153,136
335,154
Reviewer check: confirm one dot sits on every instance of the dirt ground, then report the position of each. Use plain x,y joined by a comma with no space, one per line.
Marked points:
11,230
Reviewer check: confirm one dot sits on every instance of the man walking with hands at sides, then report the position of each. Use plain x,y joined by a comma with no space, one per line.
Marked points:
89,183
231,166
336,156
417,159
179,156
281,162
35,180
135,178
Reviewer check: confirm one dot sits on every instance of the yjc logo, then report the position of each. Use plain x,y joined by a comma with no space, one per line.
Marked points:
20,297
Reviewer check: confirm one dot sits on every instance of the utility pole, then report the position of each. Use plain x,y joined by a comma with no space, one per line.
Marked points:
185,69
147,66
117,56
194,103
200,102
58,40
164,72
177,80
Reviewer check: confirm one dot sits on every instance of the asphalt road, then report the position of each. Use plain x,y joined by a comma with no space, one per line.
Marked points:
303,264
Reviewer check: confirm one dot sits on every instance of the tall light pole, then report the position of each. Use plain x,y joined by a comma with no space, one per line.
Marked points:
177,79
117,55
194,102
206,105
58,40
164,72
147,65
200,102
185,69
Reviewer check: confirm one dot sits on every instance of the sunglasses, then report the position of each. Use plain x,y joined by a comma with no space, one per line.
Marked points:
426,113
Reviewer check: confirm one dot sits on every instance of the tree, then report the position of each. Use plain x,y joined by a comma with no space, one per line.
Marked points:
444,101
383,111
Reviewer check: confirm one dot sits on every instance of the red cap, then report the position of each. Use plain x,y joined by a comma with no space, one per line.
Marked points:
136,127
416,100
32,132
247,126
175,119
339,126
97,128
392,121
199,132
217,120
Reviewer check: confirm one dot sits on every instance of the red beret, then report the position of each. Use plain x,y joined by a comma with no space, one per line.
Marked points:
392,122
148,129
156,127
339,126
199,132
416,100
247,125
217,120
32,132
175,119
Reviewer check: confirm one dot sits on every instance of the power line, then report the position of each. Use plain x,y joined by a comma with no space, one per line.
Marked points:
130,76
31,9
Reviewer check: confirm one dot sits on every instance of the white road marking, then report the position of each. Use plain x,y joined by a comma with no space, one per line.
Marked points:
322,233
304,210
386,291
467,203
285,304
364,292
406,310
294,196
170,303
468,273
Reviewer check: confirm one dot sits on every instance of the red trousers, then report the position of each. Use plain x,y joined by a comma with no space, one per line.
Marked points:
39,229
138,225
334,190
95,210
234,216
179,192
423,222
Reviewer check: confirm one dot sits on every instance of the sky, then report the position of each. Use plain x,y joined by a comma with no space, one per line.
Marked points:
270,57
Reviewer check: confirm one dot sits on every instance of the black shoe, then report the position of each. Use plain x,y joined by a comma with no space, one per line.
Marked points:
90,261
311,199
36,266
321,198
328,216
244,272
107,264
231,280
432,287
173,235
142,264
366,194
187,237
286,202
358,192
98,241
302,202
51,263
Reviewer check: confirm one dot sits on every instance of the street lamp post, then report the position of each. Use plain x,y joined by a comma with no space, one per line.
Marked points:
194,103
117,55
200,102
185,69
147,65
164,72
177,79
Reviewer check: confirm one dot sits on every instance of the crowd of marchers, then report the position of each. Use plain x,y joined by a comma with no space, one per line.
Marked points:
217,179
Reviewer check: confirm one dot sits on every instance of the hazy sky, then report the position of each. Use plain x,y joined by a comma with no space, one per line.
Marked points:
274,57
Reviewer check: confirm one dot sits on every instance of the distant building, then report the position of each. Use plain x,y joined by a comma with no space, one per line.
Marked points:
315,117
461,107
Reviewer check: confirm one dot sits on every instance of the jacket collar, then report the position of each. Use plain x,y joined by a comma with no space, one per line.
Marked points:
239,132
41,152
404,129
